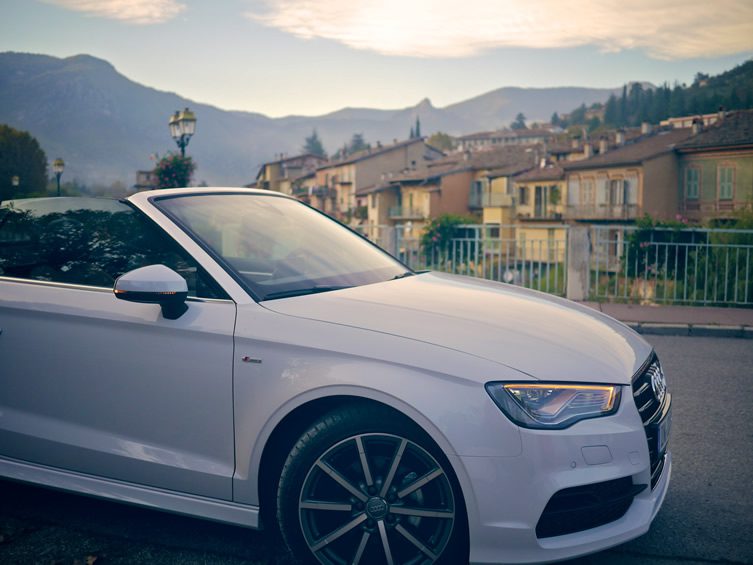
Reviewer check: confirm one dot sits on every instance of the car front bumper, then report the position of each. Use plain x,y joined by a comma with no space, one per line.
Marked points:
511,493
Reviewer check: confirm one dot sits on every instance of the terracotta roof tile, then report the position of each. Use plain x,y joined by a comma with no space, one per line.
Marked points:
734,130
641,149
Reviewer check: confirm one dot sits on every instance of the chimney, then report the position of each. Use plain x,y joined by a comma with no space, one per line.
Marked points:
720,113
603,145
542,164
588,150
645,128
467,156
697,126
619,137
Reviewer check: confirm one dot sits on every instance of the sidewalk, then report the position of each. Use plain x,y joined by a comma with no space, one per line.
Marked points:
682,320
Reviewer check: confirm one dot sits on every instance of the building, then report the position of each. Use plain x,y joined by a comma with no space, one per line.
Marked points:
340,187
145,180
716,169
279,175
624,183
464,183
488,139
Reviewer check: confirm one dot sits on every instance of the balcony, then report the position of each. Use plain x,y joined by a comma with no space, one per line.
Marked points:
490,200
405,213
602,212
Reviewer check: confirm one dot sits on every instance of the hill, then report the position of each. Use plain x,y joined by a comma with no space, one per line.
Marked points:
106,126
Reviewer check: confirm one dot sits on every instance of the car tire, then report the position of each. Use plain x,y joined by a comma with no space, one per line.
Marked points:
364,485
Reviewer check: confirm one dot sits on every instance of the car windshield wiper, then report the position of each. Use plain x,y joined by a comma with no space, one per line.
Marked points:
303,291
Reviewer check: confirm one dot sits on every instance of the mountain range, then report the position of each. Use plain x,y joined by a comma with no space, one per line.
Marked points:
105,126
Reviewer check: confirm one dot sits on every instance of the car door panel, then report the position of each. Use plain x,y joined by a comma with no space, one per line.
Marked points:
101,386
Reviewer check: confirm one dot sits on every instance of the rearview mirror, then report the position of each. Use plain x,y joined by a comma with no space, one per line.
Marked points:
154,284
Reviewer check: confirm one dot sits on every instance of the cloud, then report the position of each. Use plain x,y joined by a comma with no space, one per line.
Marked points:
130,11
672,29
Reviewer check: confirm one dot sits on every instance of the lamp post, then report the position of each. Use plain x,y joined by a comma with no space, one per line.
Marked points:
182,127
58,166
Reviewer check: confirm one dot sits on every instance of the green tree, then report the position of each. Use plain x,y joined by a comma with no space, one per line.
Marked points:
22,157
520,122
611,112
357,143
174,171
441,141
313,145
438,234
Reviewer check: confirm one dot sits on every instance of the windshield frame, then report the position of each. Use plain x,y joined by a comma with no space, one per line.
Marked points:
156,199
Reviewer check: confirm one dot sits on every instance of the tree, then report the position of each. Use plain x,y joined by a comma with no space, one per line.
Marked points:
520,122
441,141
555,120
174,171
313,145
418,127
611,112
357,143
22,157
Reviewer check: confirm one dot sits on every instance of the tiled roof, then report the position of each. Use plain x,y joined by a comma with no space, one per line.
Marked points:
550,172
734,130
369,153
643,148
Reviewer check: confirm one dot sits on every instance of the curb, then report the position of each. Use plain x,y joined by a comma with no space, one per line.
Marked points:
692,330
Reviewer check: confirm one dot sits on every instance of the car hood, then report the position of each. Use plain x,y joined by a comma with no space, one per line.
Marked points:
546,337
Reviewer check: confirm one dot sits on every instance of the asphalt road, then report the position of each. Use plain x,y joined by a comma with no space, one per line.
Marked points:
707,516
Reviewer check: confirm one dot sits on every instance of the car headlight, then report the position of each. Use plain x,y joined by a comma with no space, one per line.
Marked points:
553,405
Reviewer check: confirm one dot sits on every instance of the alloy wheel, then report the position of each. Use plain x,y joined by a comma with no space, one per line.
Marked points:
376,498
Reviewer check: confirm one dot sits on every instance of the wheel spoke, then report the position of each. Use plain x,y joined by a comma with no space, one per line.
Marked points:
407,535
393,469
318,505
342,481
418,483
361,548
385,542
364,462
408,511
341,531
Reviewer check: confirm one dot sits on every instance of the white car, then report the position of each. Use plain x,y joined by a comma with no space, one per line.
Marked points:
235,355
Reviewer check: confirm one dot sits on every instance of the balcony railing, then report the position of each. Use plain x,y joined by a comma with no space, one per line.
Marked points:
405,213
602,212
490,200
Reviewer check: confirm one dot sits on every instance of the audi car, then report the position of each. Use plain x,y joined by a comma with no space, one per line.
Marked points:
235,355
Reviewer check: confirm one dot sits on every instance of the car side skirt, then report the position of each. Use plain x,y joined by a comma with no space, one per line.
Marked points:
153,498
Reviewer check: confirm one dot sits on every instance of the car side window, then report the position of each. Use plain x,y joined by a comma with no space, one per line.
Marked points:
90,245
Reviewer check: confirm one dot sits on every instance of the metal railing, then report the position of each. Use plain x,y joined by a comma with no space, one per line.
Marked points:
493,253
405,212
602,211
669,266
627,264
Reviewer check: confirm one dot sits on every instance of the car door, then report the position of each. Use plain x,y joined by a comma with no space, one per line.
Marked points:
101,386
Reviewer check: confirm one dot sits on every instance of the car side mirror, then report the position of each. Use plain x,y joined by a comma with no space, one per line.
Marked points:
154,284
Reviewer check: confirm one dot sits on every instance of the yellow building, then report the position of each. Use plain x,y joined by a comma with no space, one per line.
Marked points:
623,184
278,175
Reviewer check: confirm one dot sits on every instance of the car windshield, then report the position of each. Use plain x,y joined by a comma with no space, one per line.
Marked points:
278,247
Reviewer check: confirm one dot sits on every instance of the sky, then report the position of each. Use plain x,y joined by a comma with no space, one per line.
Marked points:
311,57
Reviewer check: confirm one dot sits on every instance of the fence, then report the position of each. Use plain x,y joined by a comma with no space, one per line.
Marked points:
606,263
668,266
494,252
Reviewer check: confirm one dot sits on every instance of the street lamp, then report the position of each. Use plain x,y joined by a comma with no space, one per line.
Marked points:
182,127
58,166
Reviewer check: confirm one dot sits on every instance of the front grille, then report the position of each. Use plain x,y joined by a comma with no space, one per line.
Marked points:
652,410
580,508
